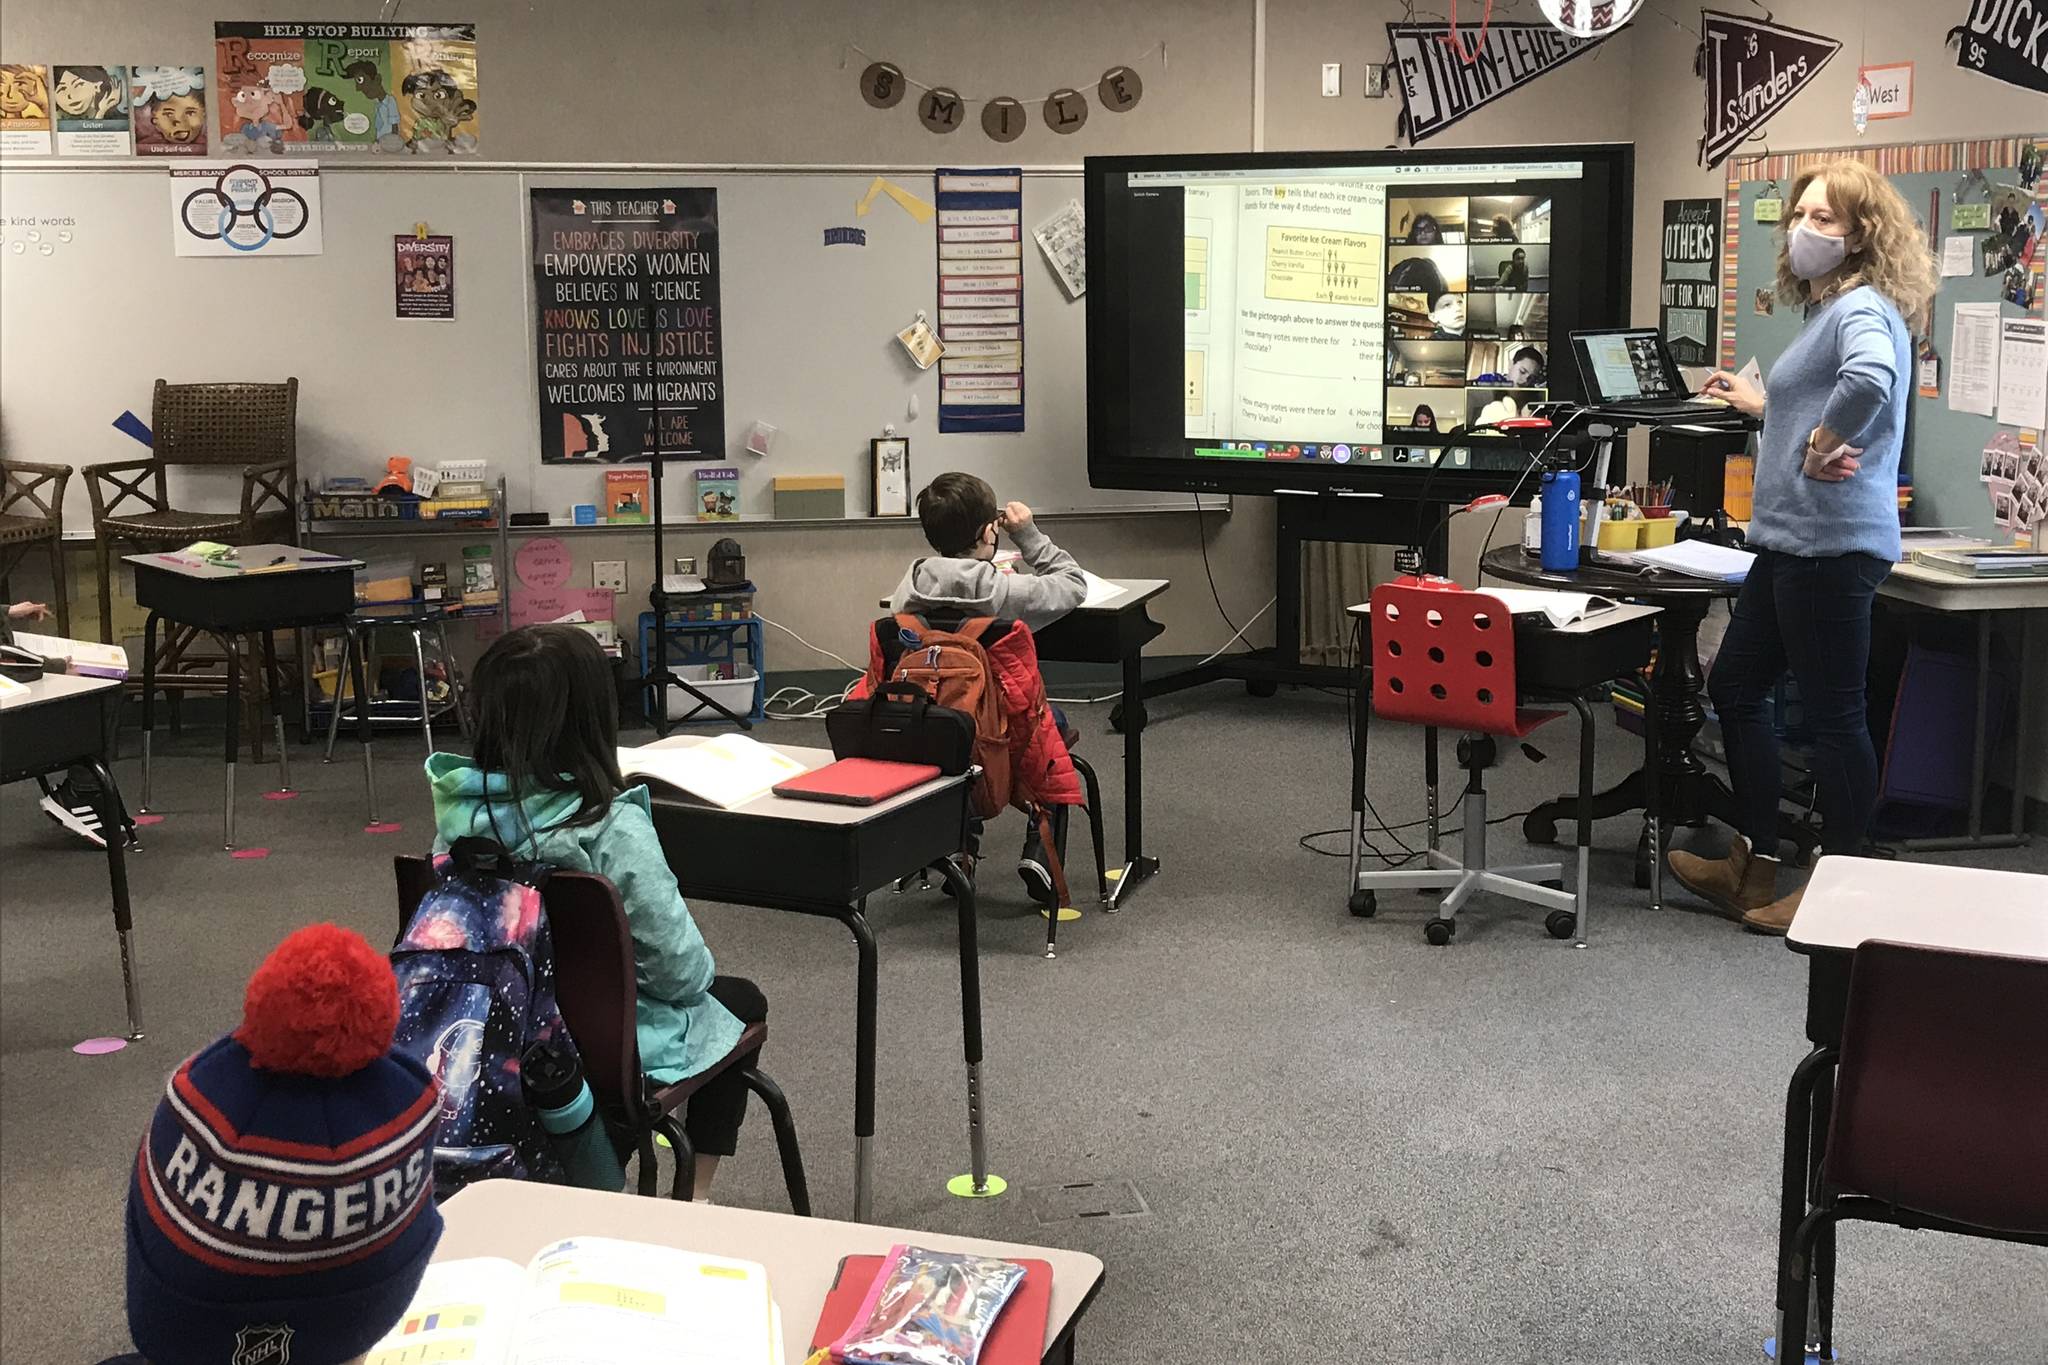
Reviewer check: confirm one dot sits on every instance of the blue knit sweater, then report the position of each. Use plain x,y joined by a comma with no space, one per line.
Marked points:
1849,369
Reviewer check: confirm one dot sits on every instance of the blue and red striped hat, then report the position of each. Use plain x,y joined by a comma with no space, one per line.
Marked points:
282,1207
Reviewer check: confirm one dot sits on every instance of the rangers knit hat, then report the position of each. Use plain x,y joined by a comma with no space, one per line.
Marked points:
282,1209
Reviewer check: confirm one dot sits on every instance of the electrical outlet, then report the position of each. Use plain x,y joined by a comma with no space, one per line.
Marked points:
608,573
1376,82
1333,78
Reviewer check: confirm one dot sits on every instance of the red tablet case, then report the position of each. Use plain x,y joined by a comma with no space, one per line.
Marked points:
857,781
1019,1337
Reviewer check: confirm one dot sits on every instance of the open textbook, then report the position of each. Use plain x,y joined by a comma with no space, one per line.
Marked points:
728,771
589,1301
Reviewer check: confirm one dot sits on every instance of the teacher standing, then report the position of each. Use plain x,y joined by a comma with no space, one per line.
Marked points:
1825,528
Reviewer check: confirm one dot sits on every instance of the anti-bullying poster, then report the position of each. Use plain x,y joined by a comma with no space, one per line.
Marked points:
168,104
311,88
627,325
1689,294
425,270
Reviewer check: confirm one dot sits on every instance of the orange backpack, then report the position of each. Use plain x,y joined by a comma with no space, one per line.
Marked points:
954,671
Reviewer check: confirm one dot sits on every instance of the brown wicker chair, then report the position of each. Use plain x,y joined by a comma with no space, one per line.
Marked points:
251,425
32,515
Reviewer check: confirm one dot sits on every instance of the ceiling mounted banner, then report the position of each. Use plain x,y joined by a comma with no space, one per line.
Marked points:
2006,40
1439,85
1752,70
1004,118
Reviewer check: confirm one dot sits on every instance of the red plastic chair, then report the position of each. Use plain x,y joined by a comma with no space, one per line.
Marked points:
1940,1115
1443,657
595,988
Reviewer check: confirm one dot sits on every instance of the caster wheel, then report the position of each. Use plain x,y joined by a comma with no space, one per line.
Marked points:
1262,689
1539,828
1364,904
1438,932
1116,718
1561,923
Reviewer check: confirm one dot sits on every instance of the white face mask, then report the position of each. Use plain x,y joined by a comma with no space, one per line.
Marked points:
1814,254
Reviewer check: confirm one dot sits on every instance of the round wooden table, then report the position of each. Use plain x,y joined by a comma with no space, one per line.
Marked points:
1688,792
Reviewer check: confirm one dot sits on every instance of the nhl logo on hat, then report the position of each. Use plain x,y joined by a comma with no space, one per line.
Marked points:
268,1343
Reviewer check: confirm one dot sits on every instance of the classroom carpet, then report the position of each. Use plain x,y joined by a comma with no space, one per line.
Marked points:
1346,1145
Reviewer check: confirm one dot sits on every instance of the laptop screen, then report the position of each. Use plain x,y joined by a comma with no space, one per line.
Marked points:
1626,366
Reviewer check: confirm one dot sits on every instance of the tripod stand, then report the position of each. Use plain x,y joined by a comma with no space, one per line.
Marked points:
660,677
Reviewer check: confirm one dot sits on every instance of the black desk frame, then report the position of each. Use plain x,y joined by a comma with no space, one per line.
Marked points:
829,870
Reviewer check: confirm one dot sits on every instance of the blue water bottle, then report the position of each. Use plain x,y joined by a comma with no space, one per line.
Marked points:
551,1074
1560,549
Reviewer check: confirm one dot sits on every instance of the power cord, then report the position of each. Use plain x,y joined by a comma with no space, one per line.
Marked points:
1202,542
816,704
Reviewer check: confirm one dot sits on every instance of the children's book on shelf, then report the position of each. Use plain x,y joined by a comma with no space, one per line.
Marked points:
728,771
589,1301
718,492
479,577
87,658
625,494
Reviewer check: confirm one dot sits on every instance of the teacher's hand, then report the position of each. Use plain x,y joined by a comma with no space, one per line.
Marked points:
1833,467
1735,391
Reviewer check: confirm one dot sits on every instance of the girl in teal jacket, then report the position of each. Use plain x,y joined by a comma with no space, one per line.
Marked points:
545,783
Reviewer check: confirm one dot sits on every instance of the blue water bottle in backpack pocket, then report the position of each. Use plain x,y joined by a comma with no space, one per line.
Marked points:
1560,549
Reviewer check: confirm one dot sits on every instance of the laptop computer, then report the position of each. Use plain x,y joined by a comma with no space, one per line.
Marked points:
1629,370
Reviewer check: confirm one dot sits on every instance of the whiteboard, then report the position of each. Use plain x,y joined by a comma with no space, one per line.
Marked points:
809,331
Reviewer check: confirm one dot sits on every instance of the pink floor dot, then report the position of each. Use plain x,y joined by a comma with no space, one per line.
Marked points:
149,819
280,796
386,827
250,853
95,1047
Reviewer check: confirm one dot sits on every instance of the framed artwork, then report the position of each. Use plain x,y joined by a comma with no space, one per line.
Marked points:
891,456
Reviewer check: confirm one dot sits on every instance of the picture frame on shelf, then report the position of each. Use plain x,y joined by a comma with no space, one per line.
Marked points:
891,460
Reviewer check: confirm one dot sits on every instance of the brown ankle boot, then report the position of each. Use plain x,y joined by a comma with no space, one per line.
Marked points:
1775,918
1734,885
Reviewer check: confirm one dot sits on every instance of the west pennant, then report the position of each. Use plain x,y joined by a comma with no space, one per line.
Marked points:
1439,87
1752,70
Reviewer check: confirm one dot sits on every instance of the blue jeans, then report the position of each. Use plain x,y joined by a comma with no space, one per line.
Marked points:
1813,616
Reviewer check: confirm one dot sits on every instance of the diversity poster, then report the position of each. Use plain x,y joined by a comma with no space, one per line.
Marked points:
1442,79
981,299
169,108
24,109
1753,69
311,88
627,325
90,107
425,269
1689,297
224,208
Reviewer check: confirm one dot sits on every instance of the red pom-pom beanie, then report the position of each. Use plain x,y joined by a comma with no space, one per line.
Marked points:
282,1205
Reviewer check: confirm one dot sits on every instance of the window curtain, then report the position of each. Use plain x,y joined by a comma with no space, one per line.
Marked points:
1335,576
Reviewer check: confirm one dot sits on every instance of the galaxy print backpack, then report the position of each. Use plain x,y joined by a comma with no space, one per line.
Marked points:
476,988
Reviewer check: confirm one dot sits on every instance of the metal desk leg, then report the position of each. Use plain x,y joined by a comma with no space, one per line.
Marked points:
1585,835
234,736
1137,865
1793,1177
866,988
1653,794
419,663
962,890
148,701
2018,827
274,681
359,678
111,820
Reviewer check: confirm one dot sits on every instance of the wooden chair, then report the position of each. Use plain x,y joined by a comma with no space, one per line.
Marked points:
32,515
595,987
254,426
1940,1115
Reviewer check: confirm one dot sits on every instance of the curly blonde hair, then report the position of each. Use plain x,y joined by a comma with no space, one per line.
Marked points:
1888,250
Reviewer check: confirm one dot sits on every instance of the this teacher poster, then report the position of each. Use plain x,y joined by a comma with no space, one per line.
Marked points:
1689,294
627,324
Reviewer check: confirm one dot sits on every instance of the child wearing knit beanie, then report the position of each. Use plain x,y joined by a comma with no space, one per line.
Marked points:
281,1209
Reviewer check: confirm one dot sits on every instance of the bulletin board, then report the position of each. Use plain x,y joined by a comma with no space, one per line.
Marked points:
1943,451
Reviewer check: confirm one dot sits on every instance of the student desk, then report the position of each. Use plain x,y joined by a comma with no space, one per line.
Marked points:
226,601
1919,586
515,1219
64,720
1116,631
1688,793
816,858
1848,902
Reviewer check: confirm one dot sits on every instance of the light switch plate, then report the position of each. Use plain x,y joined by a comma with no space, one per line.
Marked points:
608,573
1333,78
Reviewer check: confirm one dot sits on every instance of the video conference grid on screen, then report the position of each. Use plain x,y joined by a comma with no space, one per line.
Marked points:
1330,310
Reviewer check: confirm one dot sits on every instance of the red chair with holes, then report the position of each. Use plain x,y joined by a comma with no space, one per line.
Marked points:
1443,657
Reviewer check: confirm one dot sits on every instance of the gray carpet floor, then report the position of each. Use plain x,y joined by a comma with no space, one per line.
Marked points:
1349,1145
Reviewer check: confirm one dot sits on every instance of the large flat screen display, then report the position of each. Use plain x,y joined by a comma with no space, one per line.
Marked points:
1261,322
